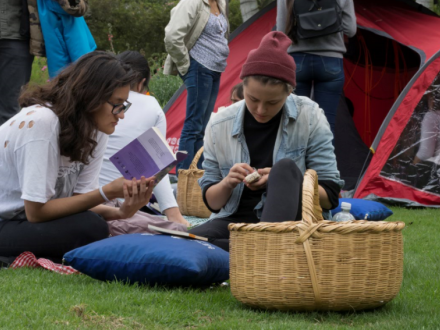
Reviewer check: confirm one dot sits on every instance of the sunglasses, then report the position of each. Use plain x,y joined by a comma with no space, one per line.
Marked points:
118,108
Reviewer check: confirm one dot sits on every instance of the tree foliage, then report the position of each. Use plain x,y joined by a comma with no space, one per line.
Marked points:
129,24
137,24
140,25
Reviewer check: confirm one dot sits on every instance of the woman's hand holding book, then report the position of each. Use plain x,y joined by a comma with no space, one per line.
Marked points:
136,194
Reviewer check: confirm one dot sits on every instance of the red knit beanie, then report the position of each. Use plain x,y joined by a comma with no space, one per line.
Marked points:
271,59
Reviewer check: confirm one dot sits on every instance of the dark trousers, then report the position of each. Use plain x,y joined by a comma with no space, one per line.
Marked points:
202,87
15,71
51,239
283,203
326,75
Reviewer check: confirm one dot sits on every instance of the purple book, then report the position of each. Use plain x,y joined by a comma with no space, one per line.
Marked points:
148,155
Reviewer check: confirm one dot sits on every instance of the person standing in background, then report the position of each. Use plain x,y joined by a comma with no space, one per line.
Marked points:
319,60
15,58
196,39
66,34
21,38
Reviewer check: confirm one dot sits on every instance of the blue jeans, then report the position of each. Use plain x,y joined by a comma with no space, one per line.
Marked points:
326,75
202,87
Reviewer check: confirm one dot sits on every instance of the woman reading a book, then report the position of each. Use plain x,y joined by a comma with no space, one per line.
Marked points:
50,159
273,132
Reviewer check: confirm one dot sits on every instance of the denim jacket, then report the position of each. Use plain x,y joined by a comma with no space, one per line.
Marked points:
304,136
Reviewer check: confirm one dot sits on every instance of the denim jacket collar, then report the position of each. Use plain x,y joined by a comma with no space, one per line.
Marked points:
290,112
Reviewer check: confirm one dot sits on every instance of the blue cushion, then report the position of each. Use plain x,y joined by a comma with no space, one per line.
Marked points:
360,207
152,259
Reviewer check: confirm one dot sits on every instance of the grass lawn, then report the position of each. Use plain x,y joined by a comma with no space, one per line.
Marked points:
38,299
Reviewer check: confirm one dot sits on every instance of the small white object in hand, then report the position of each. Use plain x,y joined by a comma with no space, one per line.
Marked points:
253,177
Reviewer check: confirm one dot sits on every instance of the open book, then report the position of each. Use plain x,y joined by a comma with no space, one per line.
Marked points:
146,156
176,233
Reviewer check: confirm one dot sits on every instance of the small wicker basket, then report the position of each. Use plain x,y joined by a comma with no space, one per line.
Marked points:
316,264
189,193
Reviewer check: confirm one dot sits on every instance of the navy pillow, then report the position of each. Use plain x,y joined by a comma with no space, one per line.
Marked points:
360,207
153,259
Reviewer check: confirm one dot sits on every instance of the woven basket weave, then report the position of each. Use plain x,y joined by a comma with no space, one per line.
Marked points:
189,193
316,264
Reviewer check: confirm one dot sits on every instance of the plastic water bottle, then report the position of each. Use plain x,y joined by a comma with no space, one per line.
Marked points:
345,215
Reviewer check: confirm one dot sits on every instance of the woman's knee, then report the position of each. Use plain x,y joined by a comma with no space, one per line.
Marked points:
286,165
285,171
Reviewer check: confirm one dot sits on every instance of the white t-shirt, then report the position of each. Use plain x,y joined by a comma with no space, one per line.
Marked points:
31,167
144,113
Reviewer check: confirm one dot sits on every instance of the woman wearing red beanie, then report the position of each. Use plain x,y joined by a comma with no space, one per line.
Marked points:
274,132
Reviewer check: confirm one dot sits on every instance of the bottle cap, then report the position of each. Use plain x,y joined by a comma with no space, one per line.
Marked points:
346,206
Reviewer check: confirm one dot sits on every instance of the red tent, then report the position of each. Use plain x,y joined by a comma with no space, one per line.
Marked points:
392,79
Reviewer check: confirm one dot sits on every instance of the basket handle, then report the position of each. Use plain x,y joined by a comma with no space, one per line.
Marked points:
311,209
193,165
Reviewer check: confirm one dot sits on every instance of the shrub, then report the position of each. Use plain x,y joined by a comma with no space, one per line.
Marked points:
39,73
133,24
162,87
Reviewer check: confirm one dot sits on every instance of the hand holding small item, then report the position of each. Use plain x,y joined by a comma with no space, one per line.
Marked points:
257,179
237,174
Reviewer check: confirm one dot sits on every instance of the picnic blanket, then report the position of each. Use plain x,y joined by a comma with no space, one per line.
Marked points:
194,221
28,259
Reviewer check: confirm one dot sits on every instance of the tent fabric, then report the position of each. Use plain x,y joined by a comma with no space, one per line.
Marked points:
374,82
393,62
381,181
390,182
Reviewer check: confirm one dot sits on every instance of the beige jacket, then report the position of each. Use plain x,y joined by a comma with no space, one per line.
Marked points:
188,20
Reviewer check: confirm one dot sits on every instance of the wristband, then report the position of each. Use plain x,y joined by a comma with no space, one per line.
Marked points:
103,195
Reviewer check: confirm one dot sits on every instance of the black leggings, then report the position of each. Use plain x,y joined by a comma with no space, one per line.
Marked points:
283,203
51,239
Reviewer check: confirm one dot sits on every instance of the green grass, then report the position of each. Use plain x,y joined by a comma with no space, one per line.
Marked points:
40,73
38,299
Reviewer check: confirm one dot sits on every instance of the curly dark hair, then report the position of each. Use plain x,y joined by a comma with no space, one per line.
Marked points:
75,95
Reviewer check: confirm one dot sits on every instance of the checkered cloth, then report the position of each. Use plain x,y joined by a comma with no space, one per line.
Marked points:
28,259
194,221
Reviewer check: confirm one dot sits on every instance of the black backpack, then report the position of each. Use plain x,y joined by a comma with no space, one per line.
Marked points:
317,18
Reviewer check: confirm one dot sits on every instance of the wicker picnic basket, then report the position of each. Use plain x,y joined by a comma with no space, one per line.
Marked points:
315,264
189,193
